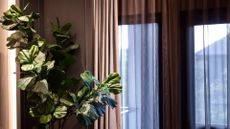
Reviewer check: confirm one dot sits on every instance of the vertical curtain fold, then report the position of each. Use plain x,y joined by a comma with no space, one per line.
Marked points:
171,64
228,69
102,57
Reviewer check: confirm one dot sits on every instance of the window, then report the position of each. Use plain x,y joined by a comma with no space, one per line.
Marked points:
138,46
210,72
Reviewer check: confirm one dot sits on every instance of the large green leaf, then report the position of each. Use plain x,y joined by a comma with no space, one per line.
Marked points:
34,15
71,47
82,93
10,27
27,67
104,89
34,50
66,27
115,88
24,18
66,102
7,15
113,78
99,107
16,39
39,61
40,58
109,101
73,96
24,56
53,46
88,79
49,64
60,112
16,9
113,83
41,43
47,107
35,98
32,58
44,119
6,22
23,83
87,114
41,87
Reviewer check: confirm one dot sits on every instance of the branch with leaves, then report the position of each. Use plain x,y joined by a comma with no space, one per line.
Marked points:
50,92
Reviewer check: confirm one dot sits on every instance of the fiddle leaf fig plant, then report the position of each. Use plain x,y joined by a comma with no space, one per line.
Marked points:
44,65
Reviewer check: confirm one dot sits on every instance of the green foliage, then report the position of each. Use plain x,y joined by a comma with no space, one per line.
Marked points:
50,92
60,112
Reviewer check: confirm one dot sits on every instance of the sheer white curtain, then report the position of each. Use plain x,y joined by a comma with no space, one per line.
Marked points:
140,78
212,62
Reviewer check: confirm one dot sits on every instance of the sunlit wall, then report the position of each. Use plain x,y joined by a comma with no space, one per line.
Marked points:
8,91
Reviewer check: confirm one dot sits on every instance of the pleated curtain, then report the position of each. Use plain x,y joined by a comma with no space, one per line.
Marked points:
101,50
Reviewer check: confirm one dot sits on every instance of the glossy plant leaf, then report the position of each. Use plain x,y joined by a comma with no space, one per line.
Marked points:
40,58
87,114
113,83
16,9
100,108
60,112
82,93
41,87
34,16
16,39
10,27
24,18
47,107
109,101
49,65
115,88
27,67
71,47
66,102
23,83
112,78
33,52
24,57
88,79
73,97
44,119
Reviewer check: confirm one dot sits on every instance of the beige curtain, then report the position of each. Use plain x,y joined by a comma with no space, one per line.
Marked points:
101,50
4,104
